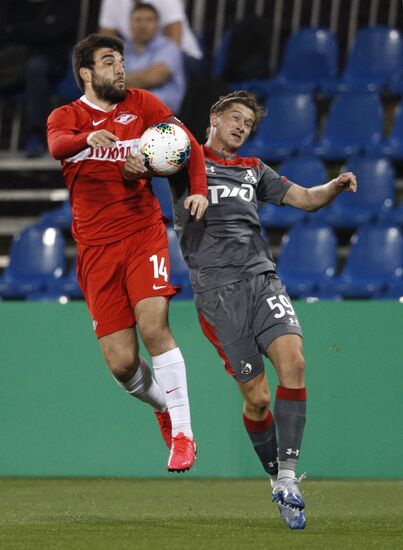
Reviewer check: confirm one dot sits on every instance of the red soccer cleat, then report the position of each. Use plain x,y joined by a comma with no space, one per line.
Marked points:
164,422
183,453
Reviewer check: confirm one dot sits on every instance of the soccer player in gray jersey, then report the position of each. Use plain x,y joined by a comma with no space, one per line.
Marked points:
244,309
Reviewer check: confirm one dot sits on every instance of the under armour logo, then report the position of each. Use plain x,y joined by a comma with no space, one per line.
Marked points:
292,452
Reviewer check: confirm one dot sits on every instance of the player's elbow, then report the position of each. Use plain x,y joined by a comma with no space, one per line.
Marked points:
55,152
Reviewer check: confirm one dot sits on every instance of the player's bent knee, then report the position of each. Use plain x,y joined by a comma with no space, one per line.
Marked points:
122,364
260,401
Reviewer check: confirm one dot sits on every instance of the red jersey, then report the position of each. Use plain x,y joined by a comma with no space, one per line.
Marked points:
106,207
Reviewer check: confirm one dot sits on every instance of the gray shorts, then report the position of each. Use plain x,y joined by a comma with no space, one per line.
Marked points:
242,319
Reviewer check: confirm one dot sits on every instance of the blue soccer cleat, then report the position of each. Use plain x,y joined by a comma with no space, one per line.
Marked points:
287,496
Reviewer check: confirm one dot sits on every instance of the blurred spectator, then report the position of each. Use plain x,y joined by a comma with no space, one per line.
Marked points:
114,19
153,61
44,30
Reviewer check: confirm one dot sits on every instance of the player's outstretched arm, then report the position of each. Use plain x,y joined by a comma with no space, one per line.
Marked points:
317,197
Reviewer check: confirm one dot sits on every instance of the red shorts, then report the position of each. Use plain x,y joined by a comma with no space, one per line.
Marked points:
114,277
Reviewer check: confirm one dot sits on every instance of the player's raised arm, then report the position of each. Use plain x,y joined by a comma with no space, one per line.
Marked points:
317,197
197,201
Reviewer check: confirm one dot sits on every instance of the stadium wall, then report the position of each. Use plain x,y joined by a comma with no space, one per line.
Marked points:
61,414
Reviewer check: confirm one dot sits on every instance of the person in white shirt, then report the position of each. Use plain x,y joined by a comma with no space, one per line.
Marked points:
114,19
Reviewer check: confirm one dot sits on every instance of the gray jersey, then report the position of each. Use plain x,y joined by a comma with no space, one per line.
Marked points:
226,245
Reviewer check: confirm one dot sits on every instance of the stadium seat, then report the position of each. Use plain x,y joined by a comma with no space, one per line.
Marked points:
161,191
393,291
375,193
289,126
66,285
374,262
392,215
306,170
37,257
374,61
310,61
392,146
179,275
308,257
354,125
58,217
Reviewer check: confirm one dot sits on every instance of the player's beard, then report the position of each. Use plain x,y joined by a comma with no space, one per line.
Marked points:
106,90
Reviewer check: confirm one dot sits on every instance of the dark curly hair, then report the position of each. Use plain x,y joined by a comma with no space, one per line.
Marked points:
83,52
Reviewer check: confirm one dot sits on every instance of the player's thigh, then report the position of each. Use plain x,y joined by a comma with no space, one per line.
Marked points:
286,355
152,322
224,315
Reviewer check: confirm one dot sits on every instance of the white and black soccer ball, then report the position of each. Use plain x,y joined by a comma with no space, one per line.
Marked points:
165,147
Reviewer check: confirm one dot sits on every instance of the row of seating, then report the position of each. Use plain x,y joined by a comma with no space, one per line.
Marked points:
374,267
374,200
354,124
310,63
307,264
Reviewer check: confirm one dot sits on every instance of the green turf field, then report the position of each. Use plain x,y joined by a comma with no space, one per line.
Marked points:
92,514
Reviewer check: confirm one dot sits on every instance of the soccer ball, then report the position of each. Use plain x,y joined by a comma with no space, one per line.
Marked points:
165,147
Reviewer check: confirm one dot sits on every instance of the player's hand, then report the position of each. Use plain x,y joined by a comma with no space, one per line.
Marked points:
101,138
134,167
346,182
197,205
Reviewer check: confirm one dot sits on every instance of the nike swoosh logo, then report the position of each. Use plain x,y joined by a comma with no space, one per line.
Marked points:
98,122
156,287
170,391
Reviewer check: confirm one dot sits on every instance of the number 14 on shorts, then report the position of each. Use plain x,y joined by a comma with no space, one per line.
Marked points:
159,267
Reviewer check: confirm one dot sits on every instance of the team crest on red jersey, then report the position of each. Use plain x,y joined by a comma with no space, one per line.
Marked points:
125,119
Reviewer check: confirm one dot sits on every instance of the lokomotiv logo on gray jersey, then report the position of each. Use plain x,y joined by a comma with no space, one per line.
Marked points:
241,185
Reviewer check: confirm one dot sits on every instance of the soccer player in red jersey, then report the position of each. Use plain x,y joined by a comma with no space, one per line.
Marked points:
122,250
243,307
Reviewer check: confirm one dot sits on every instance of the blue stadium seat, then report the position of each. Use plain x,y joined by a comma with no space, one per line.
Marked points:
179,275
161,191
289,126
306,170
37,257
66,285
58,217
392,146
310,61
374,262
308,257
374,61
393,291
392,215
375,193
354,125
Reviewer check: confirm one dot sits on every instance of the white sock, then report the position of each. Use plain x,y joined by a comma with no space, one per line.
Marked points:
143,386
286,473
170,373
